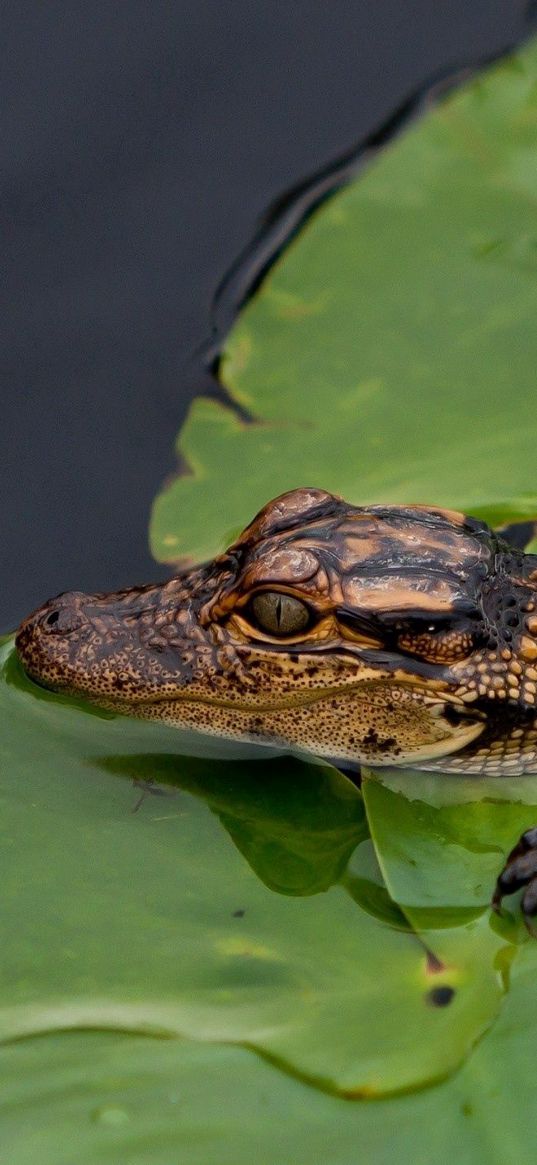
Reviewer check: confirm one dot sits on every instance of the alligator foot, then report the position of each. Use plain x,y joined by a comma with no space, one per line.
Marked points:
520,870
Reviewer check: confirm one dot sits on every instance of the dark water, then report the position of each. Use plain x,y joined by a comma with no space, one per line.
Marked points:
141,146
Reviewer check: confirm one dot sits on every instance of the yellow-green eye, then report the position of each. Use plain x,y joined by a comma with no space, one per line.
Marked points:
280,614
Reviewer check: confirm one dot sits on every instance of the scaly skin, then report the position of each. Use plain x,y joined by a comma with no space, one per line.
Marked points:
420,643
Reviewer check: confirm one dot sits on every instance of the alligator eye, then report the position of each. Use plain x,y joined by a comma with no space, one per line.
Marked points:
279,614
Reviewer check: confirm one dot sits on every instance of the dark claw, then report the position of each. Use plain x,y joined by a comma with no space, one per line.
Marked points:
520,871
529,839
529,899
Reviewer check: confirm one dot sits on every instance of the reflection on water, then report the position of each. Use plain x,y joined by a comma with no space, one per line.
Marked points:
302,825
297,825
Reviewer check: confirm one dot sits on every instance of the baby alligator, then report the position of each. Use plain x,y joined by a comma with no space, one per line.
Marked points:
382,635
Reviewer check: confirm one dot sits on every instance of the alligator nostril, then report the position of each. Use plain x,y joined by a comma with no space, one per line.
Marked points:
64,617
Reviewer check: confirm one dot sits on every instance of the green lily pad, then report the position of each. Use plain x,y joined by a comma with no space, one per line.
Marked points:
155,921
390,354
128,1098
461,828
201,947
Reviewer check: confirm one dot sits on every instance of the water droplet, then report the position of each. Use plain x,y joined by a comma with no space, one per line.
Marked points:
111,1115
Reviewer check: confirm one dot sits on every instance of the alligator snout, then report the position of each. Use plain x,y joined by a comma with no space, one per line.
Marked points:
44,637
122,647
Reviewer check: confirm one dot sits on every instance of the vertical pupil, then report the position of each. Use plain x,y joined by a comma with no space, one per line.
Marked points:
279,613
